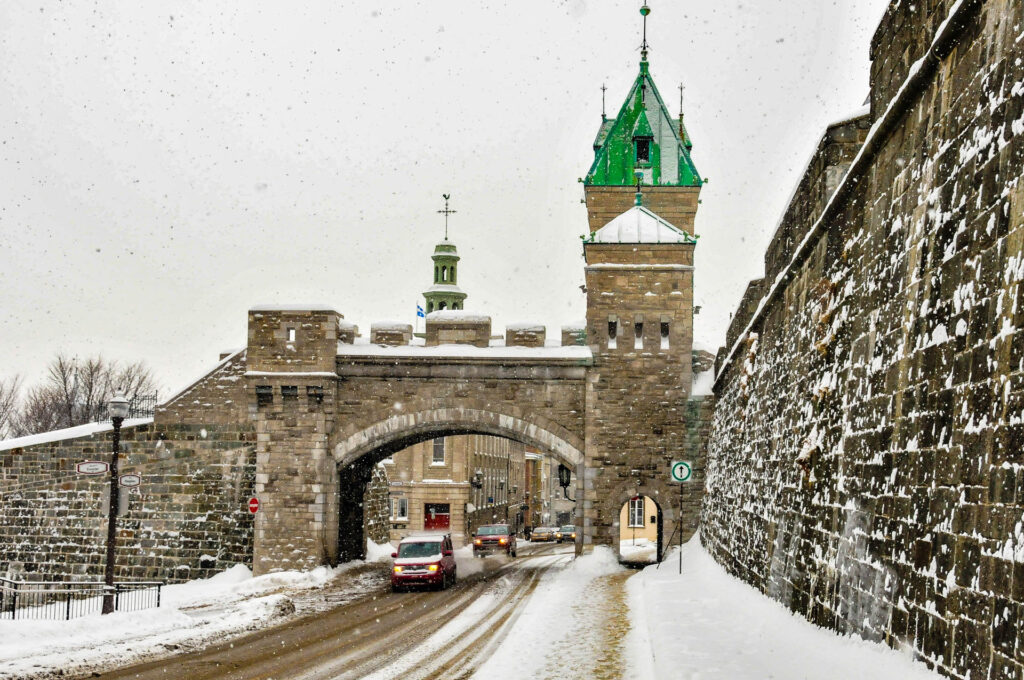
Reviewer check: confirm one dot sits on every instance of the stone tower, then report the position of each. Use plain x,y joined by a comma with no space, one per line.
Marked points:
643,142
445,293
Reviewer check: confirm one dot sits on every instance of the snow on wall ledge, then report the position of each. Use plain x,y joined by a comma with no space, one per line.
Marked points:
865,463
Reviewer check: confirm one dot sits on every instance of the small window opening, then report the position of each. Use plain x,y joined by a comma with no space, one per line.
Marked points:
289,392
291,335
442,305
664,334
638,335
643,150
315,394
613,333
444,273
636,512
264,395
430,307
438,458
437,274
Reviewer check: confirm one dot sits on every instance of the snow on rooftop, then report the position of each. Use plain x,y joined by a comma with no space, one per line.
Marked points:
640,225
497,350
526,326
346,325
444,288
390,326
575,326
68,433
458,315
292,308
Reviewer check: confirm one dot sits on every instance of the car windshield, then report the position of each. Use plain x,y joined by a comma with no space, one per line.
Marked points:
568,527
420,549
492,531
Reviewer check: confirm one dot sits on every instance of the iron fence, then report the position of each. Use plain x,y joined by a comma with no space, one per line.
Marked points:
54,600
140,406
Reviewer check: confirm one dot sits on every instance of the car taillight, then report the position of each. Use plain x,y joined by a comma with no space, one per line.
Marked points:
398,570
503,541
477,541
431,567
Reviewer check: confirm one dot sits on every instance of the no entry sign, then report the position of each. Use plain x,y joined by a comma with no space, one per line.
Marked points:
254,505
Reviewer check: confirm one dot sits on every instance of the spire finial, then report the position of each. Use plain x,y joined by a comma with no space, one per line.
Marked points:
603,90
644,11
446,212
682,88
639,188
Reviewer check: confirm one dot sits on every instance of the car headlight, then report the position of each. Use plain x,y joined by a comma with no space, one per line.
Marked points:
477,541
558,535
398,570
503,541
431,567
574,535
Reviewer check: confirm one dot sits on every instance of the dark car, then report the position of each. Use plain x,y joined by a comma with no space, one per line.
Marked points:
566,533
492,538
426,560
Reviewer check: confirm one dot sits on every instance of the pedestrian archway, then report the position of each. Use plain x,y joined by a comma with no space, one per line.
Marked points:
640,531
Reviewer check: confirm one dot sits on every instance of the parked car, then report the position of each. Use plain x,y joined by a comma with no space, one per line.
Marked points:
491,538
566,533
542,535
423,560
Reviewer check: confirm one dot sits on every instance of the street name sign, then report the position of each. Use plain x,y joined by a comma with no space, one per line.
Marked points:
131,480
681,471
92,467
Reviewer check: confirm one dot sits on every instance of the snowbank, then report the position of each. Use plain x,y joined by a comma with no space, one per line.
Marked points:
708,624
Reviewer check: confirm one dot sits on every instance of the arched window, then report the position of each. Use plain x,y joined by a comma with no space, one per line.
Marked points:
437,273
430,307
441,305
444,273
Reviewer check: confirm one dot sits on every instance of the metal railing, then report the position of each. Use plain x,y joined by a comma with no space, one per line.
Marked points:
141,406
55,600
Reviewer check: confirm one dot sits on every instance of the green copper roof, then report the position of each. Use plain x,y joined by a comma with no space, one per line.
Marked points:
643,115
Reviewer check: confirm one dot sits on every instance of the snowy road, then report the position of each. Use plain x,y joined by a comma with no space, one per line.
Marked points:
416,635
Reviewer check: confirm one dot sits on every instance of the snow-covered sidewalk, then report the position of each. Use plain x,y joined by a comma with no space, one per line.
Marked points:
708,624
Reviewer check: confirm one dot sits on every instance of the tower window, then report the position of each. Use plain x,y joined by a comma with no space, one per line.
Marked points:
289,392
438,458
291,335
643,151
437,274
638,335
664,334
613,332
430,307
442,305
264,395
444,273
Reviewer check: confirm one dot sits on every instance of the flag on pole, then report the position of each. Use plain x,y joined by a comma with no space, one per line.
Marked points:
419,312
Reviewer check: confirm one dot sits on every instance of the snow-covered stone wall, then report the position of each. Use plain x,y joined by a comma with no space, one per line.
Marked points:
866,463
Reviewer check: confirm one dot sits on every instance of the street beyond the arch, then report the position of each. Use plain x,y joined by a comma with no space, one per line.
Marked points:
507,619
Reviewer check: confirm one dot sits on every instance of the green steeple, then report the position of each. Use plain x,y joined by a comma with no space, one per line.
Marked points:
445,293
643,140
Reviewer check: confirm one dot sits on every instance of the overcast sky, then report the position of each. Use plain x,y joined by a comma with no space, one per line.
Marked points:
165,166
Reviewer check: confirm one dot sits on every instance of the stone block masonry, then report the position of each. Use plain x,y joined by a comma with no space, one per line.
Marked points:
865,461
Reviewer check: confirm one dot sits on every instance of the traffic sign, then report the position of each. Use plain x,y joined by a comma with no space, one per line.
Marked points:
681,471
254,505
131,480
92,467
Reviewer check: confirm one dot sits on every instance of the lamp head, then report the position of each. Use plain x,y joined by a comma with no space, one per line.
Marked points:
118,406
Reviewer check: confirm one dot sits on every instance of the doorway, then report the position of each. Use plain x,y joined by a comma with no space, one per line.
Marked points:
640,531
437,516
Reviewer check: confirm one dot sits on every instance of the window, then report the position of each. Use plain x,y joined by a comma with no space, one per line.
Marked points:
444,273
636,512
638,335
315,394
613,332
399,508
430,307
438,452
664,334
289,392
264,395
291,335
643,151
442,305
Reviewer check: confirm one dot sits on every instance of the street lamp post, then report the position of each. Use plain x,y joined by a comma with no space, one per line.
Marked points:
118,408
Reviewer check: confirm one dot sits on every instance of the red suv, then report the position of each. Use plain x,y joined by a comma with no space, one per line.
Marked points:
423,560
494,538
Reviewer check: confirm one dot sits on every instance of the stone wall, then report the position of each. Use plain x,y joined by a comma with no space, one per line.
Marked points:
678,205
189,521
377,525
865,465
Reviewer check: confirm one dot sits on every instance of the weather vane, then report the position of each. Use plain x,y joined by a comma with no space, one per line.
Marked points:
446,212
644,11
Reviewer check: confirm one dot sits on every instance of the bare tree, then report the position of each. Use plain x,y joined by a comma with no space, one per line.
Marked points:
9,405
76,391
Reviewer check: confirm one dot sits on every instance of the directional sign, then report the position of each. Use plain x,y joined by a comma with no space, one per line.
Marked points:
131,480
92,467
681,471
254,505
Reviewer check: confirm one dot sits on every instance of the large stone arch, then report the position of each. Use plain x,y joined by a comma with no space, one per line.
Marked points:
355,451
404,429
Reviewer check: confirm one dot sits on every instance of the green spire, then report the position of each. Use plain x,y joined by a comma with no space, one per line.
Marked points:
445,292
643,139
